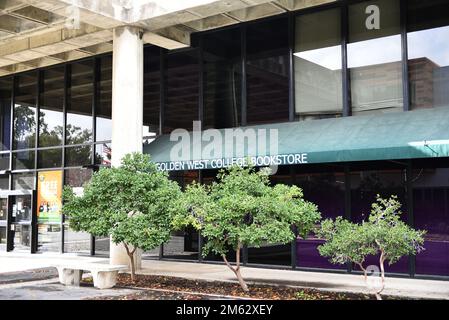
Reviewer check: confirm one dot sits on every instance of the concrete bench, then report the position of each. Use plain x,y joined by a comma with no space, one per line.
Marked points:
104,275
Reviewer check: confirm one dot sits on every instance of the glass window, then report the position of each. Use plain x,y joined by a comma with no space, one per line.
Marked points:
366,183
103,130
103,154
5,113
76,178
273,253
79,107
431,211
222,79
325,187
51,105
428,53
4,161
23,181
23,160
318,64
78,156
374,58
151,93
183,244
182,86
49,158
4,185
25,111
267,72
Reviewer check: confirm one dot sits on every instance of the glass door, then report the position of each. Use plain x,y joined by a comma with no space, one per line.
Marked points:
18,227
3,221
21,222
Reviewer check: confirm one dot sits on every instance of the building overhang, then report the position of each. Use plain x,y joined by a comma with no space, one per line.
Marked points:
38,33
390,136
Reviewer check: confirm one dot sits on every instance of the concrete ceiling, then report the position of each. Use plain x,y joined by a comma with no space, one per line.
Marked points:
37,33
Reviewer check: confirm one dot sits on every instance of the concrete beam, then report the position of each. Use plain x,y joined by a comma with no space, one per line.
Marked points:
37,15
301,4
213,22
53,43
163,41
67,9
13,24
10,5
256,12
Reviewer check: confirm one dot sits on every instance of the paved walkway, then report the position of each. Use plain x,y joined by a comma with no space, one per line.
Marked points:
404,287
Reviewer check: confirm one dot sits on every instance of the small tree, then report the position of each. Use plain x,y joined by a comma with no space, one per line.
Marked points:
133,203
243,209
384,234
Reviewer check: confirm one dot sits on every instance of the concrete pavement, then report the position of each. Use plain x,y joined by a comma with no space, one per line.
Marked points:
401,287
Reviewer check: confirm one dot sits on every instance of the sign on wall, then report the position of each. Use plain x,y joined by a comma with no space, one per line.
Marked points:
49,196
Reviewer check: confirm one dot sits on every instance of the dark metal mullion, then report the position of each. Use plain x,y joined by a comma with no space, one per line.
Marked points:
404,45
200,237
201,82
346,81
95,104
294,245
37,106
67,83
244,115
291,70
348,209
33,227
162,91
11,132
161,110
410,212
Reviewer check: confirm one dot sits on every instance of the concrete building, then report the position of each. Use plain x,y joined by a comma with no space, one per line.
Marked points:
356,99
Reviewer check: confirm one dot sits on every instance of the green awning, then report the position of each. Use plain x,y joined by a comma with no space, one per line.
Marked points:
389,136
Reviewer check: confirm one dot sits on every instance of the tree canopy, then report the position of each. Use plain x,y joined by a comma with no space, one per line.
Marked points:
242,208
133,203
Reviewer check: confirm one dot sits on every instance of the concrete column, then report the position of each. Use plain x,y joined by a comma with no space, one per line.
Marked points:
127,103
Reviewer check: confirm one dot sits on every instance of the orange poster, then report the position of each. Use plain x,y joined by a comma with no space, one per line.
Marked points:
49,196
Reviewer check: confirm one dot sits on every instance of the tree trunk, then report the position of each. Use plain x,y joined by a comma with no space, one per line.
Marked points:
241,281
131,261
365,275
382,275
236,270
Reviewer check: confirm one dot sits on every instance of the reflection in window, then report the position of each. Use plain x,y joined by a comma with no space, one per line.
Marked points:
4,161
5,113
79,107
104,108
267,72
51,103
151,94
49,158
25,111
76,178
374,59
23,160
103,154
428,53
182,84
4,185
431,211
23,181
78,156
317,58
222,79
